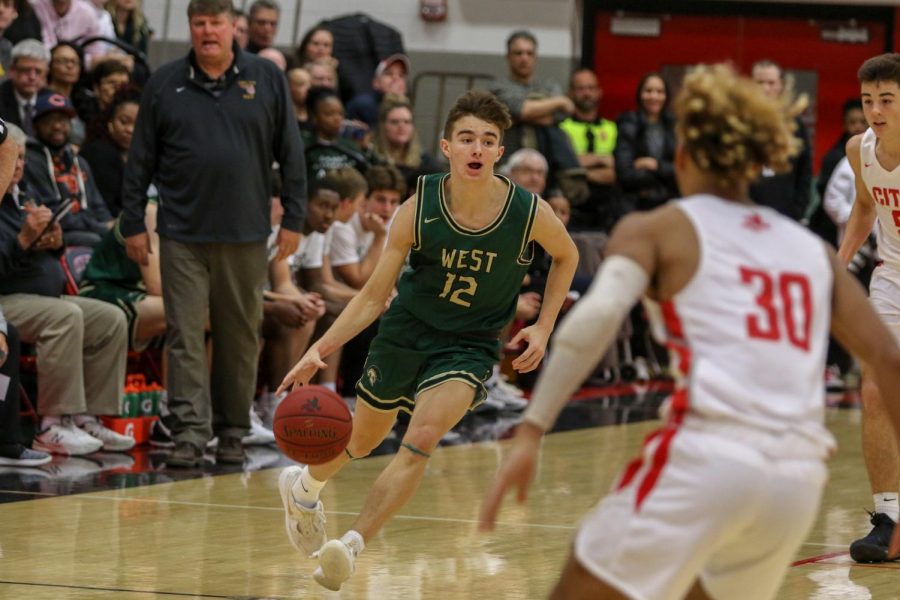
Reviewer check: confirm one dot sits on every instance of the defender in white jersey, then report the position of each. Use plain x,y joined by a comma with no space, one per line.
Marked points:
727,489
875,158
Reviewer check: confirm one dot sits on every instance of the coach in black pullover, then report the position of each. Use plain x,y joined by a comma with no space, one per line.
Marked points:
209,128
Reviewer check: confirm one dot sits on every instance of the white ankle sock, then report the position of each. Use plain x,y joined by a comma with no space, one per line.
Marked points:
329,385
306,489
50,421
82,419
888,504
354,540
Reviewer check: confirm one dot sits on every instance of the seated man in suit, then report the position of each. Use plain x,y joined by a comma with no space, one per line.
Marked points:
27,76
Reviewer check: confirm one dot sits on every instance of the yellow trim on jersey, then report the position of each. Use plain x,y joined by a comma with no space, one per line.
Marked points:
526,236
484,230
417,222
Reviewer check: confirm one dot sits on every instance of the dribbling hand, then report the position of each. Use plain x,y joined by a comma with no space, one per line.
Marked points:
302,371
517,471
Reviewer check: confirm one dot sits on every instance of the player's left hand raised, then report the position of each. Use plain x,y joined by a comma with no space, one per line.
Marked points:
302,371
517,471
536,337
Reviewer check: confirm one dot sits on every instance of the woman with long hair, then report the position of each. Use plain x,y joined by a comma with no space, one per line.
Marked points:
645,148
397,143
130,23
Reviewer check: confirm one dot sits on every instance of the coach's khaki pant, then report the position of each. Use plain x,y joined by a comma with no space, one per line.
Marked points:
223,282
82,351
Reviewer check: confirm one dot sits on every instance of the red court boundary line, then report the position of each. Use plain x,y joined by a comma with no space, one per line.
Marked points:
815,559
892,565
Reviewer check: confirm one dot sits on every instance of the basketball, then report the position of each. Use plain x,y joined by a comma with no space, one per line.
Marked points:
312,425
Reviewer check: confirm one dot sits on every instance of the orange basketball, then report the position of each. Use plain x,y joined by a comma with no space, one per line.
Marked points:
312,425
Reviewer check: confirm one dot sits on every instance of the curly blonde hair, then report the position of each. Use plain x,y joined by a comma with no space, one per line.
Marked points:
731,129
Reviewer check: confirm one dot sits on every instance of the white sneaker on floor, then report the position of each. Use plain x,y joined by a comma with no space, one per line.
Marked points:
26,458
65,438
258,435
305,527
335,565
500,394
112,441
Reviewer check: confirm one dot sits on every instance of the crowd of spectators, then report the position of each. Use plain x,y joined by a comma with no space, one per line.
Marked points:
259,239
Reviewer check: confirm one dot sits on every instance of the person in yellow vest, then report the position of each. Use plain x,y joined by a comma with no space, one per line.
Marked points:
594,139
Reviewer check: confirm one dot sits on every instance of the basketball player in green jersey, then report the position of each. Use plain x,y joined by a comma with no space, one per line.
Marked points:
469,237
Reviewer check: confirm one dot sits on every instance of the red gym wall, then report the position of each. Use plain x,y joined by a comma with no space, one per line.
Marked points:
795,43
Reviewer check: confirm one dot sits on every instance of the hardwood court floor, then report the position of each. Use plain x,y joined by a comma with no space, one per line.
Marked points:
222,536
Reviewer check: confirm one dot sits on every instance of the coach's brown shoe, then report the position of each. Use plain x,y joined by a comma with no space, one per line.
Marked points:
305,527
185,455
230,451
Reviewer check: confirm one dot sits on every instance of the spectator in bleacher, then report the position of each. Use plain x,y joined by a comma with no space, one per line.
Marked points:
27,76
396,142
528,169
57,174
7,16
275,56
645,147
81,343
854,121
130,24
241,28
262,21
64,74
317,44
390,78
107,78
105,26
106,149
789,193
110,276
214,220
25,26
594,141
64,70
12,451
299,83
537,107
68,20
325,148
322,73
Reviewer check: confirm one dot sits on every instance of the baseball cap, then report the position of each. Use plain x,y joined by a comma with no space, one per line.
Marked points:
383,65
49,102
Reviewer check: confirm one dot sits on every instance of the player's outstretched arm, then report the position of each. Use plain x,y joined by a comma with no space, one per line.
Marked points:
551,234
365,306
858,328
582,339
862,216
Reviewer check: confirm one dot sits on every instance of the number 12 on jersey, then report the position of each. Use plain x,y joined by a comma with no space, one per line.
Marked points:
775,320
467,286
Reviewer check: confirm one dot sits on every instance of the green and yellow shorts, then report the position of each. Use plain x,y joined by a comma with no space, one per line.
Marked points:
409,356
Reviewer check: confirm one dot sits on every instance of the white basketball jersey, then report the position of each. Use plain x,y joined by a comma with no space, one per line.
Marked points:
884,186
748,334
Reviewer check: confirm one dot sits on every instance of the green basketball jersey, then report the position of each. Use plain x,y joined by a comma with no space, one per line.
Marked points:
464,280
110,263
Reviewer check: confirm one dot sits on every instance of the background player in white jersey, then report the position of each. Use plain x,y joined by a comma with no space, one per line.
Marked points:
729,487
875,156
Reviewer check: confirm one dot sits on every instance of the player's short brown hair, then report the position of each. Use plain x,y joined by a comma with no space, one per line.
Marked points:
349,182
481,105
884,67
210,7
